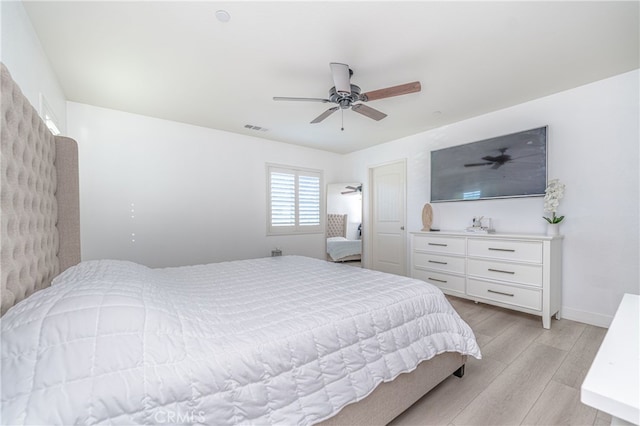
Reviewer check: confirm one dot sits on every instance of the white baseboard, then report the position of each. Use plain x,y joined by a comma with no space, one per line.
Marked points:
590,318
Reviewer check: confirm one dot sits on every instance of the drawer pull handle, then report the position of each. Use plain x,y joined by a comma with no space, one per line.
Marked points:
501,271
438,262
437,244
499,292
435,279
501,249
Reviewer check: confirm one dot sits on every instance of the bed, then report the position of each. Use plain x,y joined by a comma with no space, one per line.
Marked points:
339,248
243,342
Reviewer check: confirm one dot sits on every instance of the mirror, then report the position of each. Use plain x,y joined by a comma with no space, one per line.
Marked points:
344,223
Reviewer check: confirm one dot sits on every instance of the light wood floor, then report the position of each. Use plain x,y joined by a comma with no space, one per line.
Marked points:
527,375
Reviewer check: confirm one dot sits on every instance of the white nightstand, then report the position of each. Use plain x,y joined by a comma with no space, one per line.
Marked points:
612,384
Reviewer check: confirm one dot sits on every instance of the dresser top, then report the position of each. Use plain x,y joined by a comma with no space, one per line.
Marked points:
514,236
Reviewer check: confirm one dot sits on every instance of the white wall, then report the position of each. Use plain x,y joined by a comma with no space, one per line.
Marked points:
22,53
593,149
163,193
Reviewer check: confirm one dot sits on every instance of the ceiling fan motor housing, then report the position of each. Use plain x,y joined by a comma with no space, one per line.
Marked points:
345,100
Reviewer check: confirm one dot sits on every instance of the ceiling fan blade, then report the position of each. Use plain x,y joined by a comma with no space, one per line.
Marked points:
325,115
341,78
367,111
477,164
352,189
388,92
284,98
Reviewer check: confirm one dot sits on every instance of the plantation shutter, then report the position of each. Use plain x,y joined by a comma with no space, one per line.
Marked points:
283,199
309,200
294,200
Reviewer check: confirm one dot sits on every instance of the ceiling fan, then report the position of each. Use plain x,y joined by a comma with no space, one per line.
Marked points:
352,189
346,95
495,162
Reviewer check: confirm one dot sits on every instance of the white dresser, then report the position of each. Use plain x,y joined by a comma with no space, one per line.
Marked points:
521,272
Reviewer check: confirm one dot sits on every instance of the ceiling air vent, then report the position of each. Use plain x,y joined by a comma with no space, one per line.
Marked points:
256,128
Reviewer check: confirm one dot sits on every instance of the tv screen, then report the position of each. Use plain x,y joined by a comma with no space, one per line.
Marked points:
513,165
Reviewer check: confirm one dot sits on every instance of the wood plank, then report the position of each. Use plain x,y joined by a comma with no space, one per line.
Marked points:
575,367
483,340
560,405
495,324
512,342
449,398
473,313
508,399
602,419
562,335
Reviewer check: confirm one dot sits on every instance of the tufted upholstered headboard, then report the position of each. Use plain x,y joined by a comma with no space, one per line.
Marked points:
336,225
39,199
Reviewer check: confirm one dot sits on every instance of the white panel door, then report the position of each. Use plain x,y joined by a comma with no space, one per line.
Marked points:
388,245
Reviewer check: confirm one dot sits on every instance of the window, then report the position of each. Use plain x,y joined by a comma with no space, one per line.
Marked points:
294,200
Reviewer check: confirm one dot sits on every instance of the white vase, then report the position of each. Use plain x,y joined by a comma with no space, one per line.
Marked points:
553,229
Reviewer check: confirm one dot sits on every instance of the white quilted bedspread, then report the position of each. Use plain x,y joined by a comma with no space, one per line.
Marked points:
283,340
339,247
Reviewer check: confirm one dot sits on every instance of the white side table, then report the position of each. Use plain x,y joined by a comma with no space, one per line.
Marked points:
612,384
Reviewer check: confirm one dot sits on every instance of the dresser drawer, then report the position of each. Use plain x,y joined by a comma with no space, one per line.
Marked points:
517,296
446,245
523,251
504,271
439,262
448,283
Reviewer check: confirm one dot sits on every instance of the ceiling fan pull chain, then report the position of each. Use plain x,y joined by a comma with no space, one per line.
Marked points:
342,112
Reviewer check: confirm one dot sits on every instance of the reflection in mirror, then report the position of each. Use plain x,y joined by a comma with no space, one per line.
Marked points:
344,223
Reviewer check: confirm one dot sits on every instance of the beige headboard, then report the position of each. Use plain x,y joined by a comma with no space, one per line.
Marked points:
39,199
336,225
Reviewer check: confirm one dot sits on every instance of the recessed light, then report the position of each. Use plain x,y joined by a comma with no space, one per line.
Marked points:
223,15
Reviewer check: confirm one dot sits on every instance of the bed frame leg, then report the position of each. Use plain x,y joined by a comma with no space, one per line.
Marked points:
459,372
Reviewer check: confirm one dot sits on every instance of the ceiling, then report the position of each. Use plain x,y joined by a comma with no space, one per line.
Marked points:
176,61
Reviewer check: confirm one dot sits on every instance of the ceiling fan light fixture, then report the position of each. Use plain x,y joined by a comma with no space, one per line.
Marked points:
341,76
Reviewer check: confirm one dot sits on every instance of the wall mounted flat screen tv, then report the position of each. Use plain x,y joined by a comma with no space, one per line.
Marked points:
506,166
